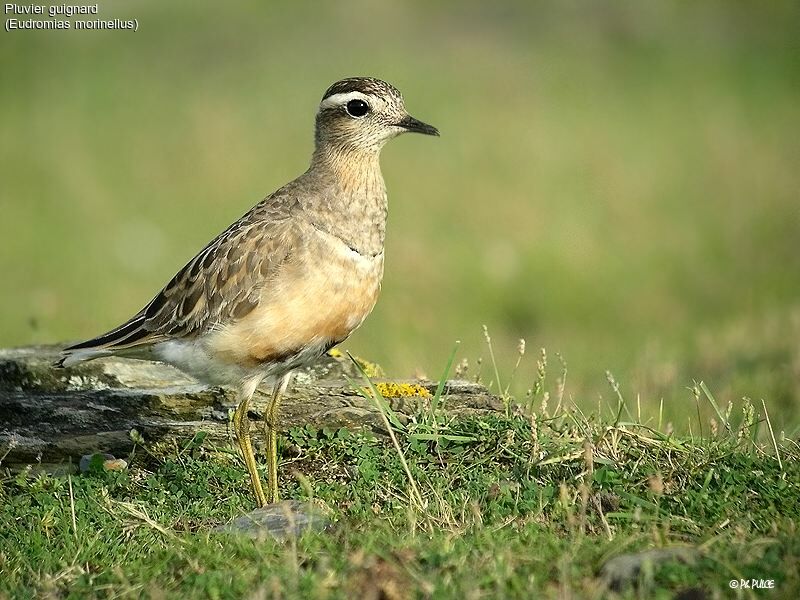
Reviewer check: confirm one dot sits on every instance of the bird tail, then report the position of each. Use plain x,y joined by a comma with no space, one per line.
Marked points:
71,357
127,339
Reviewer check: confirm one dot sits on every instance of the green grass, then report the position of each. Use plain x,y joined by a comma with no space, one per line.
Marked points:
614,182
524,505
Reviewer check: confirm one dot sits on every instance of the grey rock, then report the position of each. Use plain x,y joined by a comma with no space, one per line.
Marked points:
620,571
280,521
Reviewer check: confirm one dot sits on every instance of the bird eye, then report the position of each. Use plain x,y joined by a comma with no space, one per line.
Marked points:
357,108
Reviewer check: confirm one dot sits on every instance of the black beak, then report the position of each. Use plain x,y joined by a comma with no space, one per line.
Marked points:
409,123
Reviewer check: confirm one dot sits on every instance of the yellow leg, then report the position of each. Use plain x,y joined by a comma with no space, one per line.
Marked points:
271,427
241,428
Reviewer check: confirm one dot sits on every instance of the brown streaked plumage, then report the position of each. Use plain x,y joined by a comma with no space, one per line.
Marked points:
296,275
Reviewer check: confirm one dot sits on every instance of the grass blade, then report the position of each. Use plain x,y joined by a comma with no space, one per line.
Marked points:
385,410
443,379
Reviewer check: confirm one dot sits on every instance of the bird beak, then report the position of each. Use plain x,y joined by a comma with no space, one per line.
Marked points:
409,123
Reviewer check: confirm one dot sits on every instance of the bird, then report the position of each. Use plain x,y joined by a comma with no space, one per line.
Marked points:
289,280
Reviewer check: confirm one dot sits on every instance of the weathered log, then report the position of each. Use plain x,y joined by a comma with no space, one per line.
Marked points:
50,415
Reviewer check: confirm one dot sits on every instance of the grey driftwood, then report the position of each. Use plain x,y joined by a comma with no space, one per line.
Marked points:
50,416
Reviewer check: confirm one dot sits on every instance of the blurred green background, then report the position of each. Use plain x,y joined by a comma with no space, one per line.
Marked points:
616,181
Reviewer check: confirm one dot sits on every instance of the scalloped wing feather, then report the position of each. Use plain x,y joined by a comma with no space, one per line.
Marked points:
221,284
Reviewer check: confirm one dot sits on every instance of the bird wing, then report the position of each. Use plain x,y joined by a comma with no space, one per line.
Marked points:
221,284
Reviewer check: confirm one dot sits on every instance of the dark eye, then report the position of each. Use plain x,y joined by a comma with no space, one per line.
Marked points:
357,108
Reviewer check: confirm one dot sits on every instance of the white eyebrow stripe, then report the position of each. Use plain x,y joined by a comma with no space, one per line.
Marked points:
340,99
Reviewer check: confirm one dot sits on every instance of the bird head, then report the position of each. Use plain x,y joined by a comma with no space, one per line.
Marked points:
362,114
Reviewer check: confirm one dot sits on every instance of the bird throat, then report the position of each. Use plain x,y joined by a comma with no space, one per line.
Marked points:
357,196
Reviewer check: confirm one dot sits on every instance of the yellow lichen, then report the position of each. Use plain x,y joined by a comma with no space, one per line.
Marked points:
371,369
401,390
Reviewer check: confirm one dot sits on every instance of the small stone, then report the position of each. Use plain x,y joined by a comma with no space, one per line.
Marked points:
108,461
116,464
280,521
